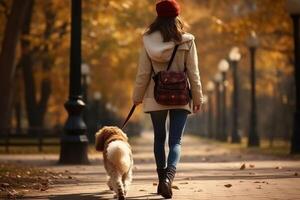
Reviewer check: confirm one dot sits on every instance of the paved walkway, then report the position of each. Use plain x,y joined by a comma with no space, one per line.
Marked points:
206,171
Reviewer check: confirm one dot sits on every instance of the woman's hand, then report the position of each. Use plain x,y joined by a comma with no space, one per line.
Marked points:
196,108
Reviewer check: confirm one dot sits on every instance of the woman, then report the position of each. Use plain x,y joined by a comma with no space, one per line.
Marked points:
158,44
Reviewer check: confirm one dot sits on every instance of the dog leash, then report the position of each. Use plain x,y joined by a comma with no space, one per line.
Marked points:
128,116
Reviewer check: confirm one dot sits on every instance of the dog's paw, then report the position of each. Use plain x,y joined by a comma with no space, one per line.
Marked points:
121,198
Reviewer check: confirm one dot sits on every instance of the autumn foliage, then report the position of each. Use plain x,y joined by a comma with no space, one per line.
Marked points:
111,40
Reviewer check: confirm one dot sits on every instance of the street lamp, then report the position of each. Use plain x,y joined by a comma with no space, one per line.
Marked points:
74,142
223,68
85,73
235,57
253,139
97,98
210,89
293,7
217,81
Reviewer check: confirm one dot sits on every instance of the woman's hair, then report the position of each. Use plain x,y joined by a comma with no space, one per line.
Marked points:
171,28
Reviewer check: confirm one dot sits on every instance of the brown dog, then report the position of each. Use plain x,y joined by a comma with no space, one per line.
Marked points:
117,156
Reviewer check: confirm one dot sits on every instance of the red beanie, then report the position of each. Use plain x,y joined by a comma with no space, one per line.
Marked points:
168,8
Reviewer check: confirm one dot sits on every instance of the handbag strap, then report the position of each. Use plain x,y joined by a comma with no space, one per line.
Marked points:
173,55
171,60
128,116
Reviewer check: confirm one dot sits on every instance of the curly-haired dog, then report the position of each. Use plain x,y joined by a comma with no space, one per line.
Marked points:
117,157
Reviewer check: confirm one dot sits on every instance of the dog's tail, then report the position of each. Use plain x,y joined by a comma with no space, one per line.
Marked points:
119,153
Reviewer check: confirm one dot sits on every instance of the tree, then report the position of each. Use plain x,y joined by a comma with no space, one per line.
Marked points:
7,58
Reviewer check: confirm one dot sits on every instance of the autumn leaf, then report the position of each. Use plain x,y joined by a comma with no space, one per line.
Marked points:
259,187
251,166
243,166
175,187
183,183
228,185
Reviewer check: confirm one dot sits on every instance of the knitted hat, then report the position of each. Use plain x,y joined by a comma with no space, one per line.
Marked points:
168,8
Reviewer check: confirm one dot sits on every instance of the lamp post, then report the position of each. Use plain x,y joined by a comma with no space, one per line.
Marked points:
74,142
218,80
223,68
210,89
97,98
253,139
293,7
235,57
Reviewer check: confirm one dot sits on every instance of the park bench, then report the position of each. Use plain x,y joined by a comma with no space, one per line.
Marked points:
30,137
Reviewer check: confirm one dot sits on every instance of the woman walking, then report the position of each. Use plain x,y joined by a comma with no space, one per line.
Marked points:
159,42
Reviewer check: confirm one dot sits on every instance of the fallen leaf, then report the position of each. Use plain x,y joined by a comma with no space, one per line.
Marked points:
183,183
198,190
295,174
70,177
142,190
175,187
278,167
251,165
259,187
154,183
243,166
228,185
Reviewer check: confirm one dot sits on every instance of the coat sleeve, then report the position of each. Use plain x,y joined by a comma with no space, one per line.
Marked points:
143,77
194,75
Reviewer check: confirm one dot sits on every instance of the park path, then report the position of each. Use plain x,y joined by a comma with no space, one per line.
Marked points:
207,171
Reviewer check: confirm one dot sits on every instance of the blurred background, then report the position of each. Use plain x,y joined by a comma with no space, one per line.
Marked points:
241,44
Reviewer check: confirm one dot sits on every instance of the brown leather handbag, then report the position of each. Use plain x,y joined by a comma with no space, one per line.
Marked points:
171,88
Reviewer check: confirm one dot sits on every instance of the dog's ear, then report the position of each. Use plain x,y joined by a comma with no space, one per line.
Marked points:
101,137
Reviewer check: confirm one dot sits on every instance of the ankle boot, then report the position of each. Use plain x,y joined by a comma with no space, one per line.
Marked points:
161,176
166,186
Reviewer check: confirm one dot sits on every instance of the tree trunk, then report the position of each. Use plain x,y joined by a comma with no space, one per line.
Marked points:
28,75
7,59
36,110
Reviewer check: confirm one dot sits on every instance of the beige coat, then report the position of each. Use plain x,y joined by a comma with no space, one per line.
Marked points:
160,53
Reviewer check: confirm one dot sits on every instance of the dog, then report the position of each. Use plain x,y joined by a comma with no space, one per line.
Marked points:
117,158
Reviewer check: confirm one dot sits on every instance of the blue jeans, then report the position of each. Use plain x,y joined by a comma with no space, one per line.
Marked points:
178,119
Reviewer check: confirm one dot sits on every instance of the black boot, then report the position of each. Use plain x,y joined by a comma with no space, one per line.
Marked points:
166,186
161,176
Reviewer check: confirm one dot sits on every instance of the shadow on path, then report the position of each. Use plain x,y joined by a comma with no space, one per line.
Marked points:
105,195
